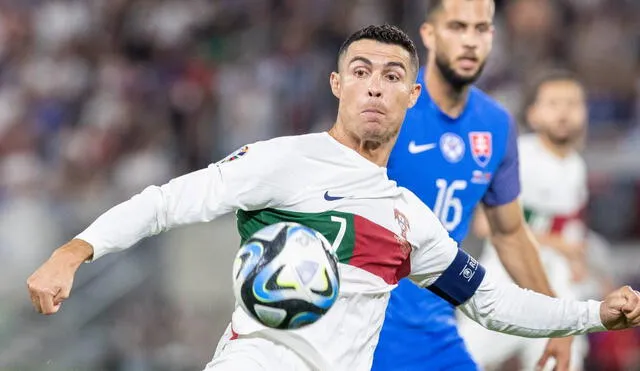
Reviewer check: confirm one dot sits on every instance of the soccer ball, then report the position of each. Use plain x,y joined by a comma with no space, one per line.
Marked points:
286,276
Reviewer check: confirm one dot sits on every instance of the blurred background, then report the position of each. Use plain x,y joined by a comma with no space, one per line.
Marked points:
99,98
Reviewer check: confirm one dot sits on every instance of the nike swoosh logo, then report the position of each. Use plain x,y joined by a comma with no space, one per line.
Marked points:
331,198
415,149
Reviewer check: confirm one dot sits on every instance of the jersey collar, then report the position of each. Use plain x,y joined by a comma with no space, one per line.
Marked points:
425,100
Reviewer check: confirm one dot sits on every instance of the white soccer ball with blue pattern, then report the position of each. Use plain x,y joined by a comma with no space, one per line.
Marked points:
286,276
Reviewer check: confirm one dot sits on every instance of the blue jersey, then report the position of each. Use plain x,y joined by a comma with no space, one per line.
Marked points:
451,165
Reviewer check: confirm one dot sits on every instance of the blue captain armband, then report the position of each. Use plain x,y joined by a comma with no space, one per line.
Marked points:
460,280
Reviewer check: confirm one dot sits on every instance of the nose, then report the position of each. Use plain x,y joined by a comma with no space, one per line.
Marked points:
375,90
470,39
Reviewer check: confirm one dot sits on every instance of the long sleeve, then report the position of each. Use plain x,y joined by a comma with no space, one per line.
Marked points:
245,182
454,275
516,311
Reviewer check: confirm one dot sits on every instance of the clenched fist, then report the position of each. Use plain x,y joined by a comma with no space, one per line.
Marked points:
51,284
621,309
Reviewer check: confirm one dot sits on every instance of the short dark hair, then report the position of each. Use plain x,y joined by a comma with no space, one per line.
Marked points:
538,80
433,6
387,34
532,87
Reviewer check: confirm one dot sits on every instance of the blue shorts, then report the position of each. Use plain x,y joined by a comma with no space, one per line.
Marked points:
420,333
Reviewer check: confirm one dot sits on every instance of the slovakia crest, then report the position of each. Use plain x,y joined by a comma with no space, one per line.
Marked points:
481,147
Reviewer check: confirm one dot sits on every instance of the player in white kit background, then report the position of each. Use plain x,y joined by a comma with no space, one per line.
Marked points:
336,183
554,196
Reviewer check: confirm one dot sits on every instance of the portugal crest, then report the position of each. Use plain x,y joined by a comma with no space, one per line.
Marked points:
403,223
481,147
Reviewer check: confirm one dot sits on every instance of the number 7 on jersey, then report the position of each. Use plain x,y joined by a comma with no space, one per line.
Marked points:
341,231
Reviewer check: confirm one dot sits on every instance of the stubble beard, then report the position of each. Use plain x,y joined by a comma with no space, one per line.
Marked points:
454,79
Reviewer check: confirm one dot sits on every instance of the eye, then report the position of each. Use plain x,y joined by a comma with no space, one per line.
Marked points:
482,28
393,77
457,26
360,72
553,103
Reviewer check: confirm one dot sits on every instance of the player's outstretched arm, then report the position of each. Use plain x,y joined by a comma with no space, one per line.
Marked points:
454,275
147,213
510,309
199,196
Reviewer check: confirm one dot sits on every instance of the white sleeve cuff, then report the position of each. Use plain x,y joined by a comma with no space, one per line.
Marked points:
595,322
98,248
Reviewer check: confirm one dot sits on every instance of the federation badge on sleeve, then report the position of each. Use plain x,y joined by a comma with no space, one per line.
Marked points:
481,177
481,147
234,155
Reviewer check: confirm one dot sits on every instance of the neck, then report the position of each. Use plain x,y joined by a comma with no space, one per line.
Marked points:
375,151
451,100
559,150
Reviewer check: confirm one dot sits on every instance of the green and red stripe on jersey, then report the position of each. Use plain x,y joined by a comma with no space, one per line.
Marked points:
360,242
551,223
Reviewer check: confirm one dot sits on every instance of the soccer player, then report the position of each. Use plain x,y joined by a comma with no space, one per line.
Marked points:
336,183
456,149
554,195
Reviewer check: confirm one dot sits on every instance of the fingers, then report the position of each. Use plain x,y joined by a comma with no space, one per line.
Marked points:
543,360
42,298
34,294
51,283
35,301
631,307
61,296
46,302
621,309
560,350
563,362
631,297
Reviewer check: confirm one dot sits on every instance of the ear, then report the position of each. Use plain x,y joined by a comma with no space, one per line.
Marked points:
334,81
427,34
415,94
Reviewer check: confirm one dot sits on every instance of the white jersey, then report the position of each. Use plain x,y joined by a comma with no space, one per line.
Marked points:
553,196
554,190
380,233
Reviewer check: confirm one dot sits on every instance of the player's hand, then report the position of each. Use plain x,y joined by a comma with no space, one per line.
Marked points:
560,350
51,284
621,309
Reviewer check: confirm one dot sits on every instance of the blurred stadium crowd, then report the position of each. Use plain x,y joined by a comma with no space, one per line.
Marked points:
99,98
